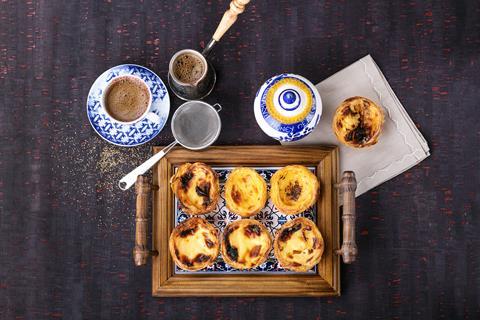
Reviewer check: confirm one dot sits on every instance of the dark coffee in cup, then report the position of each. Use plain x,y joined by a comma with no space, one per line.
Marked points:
127,98
188,68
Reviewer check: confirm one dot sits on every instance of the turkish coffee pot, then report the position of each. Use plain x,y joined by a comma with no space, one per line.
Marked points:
205,79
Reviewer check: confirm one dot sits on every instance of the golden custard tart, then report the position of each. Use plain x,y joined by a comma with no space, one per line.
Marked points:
196,187
246,244
294,189
194,244
298,245
245,192
358,122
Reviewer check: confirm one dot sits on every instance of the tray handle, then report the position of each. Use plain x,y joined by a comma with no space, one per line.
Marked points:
140,251
347,187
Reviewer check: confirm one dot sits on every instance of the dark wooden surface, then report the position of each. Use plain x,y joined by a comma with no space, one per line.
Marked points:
66,231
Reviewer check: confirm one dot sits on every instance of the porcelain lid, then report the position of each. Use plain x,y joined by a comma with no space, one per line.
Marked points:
287,107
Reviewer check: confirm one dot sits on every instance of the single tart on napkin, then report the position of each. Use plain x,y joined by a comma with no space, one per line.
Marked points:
196,187
298,245
194,244
358,122
245,192
294,189
246,244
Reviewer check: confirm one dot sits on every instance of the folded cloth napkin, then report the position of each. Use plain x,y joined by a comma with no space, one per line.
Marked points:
400,146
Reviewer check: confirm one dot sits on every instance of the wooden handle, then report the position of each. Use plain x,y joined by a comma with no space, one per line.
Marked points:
229,17
140,251
347,187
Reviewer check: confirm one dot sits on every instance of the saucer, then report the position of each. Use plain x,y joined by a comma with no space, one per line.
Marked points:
287,107
135,134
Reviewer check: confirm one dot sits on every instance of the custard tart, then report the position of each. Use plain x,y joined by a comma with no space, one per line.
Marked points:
194,244
298,245
245,192
245,244
358,122
196,187
294,189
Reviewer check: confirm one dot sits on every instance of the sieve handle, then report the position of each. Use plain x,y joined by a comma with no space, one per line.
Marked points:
129,180
217,107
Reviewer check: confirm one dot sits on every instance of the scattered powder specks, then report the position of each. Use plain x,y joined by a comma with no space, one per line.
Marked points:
109,160
112,157
92,190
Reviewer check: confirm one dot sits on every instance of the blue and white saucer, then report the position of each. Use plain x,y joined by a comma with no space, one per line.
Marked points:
287,107
128,135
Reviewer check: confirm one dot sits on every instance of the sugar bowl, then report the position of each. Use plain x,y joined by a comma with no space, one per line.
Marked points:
287,107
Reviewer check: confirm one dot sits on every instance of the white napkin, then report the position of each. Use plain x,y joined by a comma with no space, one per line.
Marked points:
400,146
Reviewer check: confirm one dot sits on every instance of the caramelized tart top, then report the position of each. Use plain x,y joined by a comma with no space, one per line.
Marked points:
246,244
293,189
358,122
197,187
245,192
298,245
194,244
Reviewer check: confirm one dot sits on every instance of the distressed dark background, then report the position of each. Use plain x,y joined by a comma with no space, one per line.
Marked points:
66,231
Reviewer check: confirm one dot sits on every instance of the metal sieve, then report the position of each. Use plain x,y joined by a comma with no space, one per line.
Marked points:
195,125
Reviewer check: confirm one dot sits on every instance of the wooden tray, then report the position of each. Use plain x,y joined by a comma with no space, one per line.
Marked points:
324,282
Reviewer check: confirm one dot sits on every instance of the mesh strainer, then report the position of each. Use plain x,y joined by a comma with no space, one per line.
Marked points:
195,125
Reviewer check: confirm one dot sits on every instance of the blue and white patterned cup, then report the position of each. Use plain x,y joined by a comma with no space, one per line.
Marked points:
146,114
287,107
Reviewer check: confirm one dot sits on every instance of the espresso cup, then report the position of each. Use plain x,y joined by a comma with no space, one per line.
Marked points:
127,99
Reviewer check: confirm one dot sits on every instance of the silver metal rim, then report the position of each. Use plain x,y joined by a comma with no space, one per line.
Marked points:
216,135
176,55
